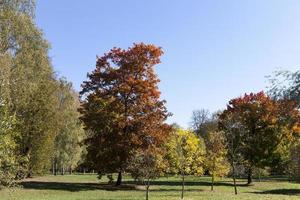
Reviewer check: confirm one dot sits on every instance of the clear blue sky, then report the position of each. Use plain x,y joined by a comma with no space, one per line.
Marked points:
214,49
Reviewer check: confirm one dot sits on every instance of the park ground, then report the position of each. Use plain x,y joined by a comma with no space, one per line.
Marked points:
88,187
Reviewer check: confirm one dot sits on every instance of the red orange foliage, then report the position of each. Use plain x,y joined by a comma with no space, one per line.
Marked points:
122,106
264,125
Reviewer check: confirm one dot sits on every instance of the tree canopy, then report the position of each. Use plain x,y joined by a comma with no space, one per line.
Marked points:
262,124
121,106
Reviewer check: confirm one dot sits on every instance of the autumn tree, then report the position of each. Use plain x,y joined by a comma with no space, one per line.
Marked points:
261,126
216,152
121,107
147,165
284,85
233,131
185,155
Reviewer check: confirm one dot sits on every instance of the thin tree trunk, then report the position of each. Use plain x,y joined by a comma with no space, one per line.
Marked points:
119,180
55,166
182,186
212,181
147,189
233,176
249,176
259,175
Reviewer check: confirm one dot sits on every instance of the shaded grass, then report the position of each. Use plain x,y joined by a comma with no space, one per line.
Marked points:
281,192
73,187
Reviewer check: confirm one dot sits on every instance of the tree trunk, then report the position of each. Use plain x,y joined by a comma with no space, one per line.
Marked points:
147,189
62,170
249,176
55,168
212,181
234,181
119,180
182,186
259,175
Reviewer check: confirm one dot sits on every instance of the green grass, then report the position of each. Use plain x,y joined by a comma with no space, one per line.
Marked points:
87,187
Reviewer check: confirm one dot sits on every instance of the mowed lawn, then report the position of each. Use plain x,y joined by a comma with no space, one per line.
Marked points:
87,187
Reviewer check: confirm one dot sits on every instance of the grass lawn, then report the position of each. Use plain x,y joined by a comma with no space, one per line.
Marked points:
87,187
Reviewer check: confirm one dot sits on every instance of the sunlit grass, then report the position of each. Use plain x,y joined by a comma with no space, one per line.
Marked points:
88,187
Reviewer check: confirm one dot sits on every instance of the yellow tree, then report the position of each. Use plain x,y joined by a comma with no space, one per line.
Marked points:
216,152
185,154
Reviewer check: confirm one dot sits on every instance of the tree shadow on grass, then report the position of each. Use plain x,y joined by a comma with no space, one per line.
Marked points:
72,187
192,183
127,185
280,191
175,190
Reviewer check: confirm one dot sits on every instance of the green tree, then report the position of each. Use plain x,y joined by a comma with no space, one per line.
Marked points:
8,156
185,154
294,161
8,132
32,83
70,134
